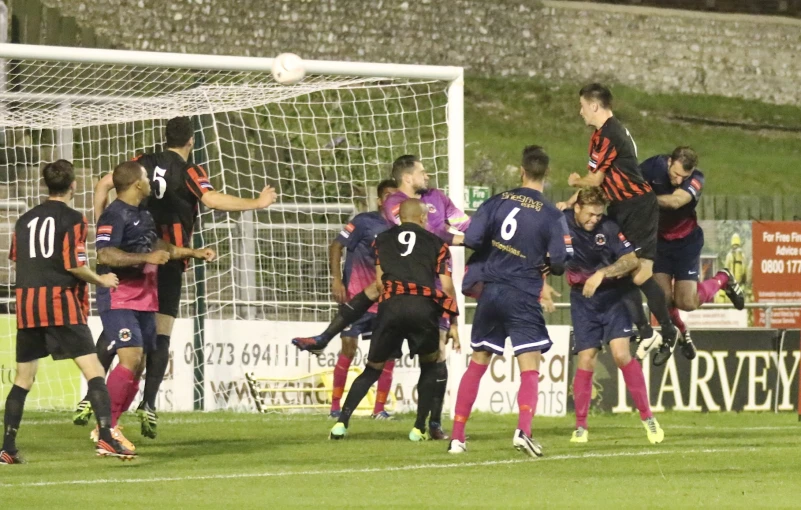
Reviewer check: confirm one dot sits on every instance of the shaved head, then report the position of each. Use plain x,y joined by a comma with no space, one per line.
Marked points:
413,210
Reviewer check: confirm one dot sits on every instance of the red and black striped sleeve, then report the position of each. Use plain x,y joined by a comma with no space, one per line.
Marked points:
444,260
12,253
602,153
197,180
74,246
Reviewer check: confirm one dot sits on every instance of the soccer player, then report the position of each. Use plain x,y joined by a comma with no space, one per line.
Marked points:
678,184
520,229
602,258
633,206
178,189
357,237
127,241
408,260
49,250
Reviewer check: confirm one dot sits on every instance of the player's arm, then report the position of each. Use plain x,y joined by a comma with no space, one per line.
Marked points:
593,179
567,204
679,198
477,231
197,181
180,253
560,246
626,263
114,257
74,252
602,154
338,291
84,273
102,189
458,219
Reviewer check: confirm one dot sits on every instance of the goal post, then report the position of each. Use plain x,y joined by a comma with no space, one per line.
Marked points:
324,143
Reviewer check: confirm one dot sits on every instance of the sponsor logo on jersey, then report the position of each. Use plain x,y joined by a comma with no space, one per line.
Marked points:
600,239
104,233
125,334
348,230
432,209
623,239
695,183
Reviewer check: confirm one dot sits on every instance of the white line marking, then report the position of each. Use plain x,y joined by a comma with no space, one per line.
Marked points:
387,469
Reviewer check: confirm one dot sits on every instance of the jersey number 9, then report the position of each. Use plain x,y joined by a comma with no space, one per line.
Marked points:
407,239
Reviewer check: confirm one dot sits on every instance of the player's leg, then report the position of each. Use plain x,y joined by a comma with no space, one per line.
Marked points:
635,383
588,331
527,395
435,423
582,393
346,354
382,389
358,390
15,404
347,314
105,355
427,384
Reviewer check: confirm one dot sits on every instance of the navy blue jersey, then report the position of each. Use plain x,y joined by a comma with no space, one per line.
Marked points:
514,231
594,250
358,236
132,230
673,223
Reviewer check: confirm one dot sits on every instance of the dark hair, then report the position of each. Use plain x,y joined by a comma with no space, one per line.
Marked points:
591,195
58,176
179,131
687,156
383,185
126,174
535,162
597,92
403,165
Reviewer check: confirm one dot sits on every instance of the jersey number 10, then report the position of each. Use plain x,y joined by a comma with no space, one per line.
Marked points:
47,237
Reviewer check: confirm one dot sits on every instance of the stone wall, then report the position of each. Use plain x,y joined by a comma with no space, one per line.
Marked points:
655,49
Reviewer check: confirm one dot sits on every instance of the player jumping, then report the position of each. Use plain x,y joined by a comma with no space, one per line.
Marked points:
357,237
49,249
178,188
519,228
633,206
678,185
408,260
602,256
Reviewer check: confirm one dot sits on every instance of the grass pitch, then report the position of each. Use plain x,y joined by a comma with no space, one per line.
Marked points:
224,460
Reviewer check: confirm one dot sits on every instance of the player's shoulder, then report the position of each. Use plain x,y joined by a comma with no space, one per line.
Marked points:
608,226
613,127
657,162
697,174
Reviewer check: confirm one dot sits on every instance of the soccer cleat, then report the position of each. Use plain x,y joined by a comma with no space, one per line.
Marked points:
654,431
646,345
417,435
666,349
83,413
383,415
733,290
94,435
580,435
113,449
334,415
338,431
312,344
7,458
687,346
148,419
525,444
456,447
436,433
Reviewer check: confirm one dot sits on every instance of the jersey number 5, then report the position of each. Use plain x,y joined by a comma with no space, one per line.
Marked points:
161,183
407,239
47,236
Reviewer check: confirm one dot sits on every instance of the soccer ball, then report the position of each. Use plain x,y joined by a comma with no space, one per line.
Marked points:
288,69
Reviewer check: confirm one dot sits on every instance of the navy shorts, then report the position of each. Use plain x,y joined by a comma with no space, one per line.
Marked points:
599,319
507,312
362,327
680,258
129,328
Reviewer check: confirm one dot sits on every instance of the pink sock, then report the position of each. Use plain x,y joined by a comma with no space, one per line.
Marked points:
131,395
383,386
582,394
340,378
527,399
708,288
676,318
468,390
119,384
635,382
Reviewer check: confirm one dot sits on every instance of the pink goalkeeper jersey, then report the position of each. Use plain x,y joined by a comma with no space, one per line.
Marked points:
442,214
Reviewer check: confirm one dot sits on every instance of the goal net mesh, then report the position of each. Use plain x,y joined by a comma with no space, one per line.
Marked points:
323,144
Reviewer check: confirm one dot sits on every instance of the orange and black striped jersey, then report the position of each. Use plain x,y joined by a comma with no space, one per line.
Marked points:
411,260
613,152
48,241
176,188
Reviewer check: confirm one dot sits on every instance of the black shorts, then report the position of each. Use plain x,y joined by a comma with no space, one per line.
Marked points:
638,219
413,318
170,282
60,342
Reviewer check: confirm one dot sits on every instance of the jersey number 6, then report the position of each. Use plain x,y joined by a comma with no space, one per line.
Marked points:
408,239
509,226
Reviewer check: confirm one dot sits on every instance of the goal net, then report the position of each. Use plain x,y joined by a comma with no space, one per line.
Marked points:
323,143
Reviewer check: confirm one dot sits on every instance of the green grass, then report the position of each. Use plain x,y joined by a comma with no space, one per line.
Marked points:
503,115
250,461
